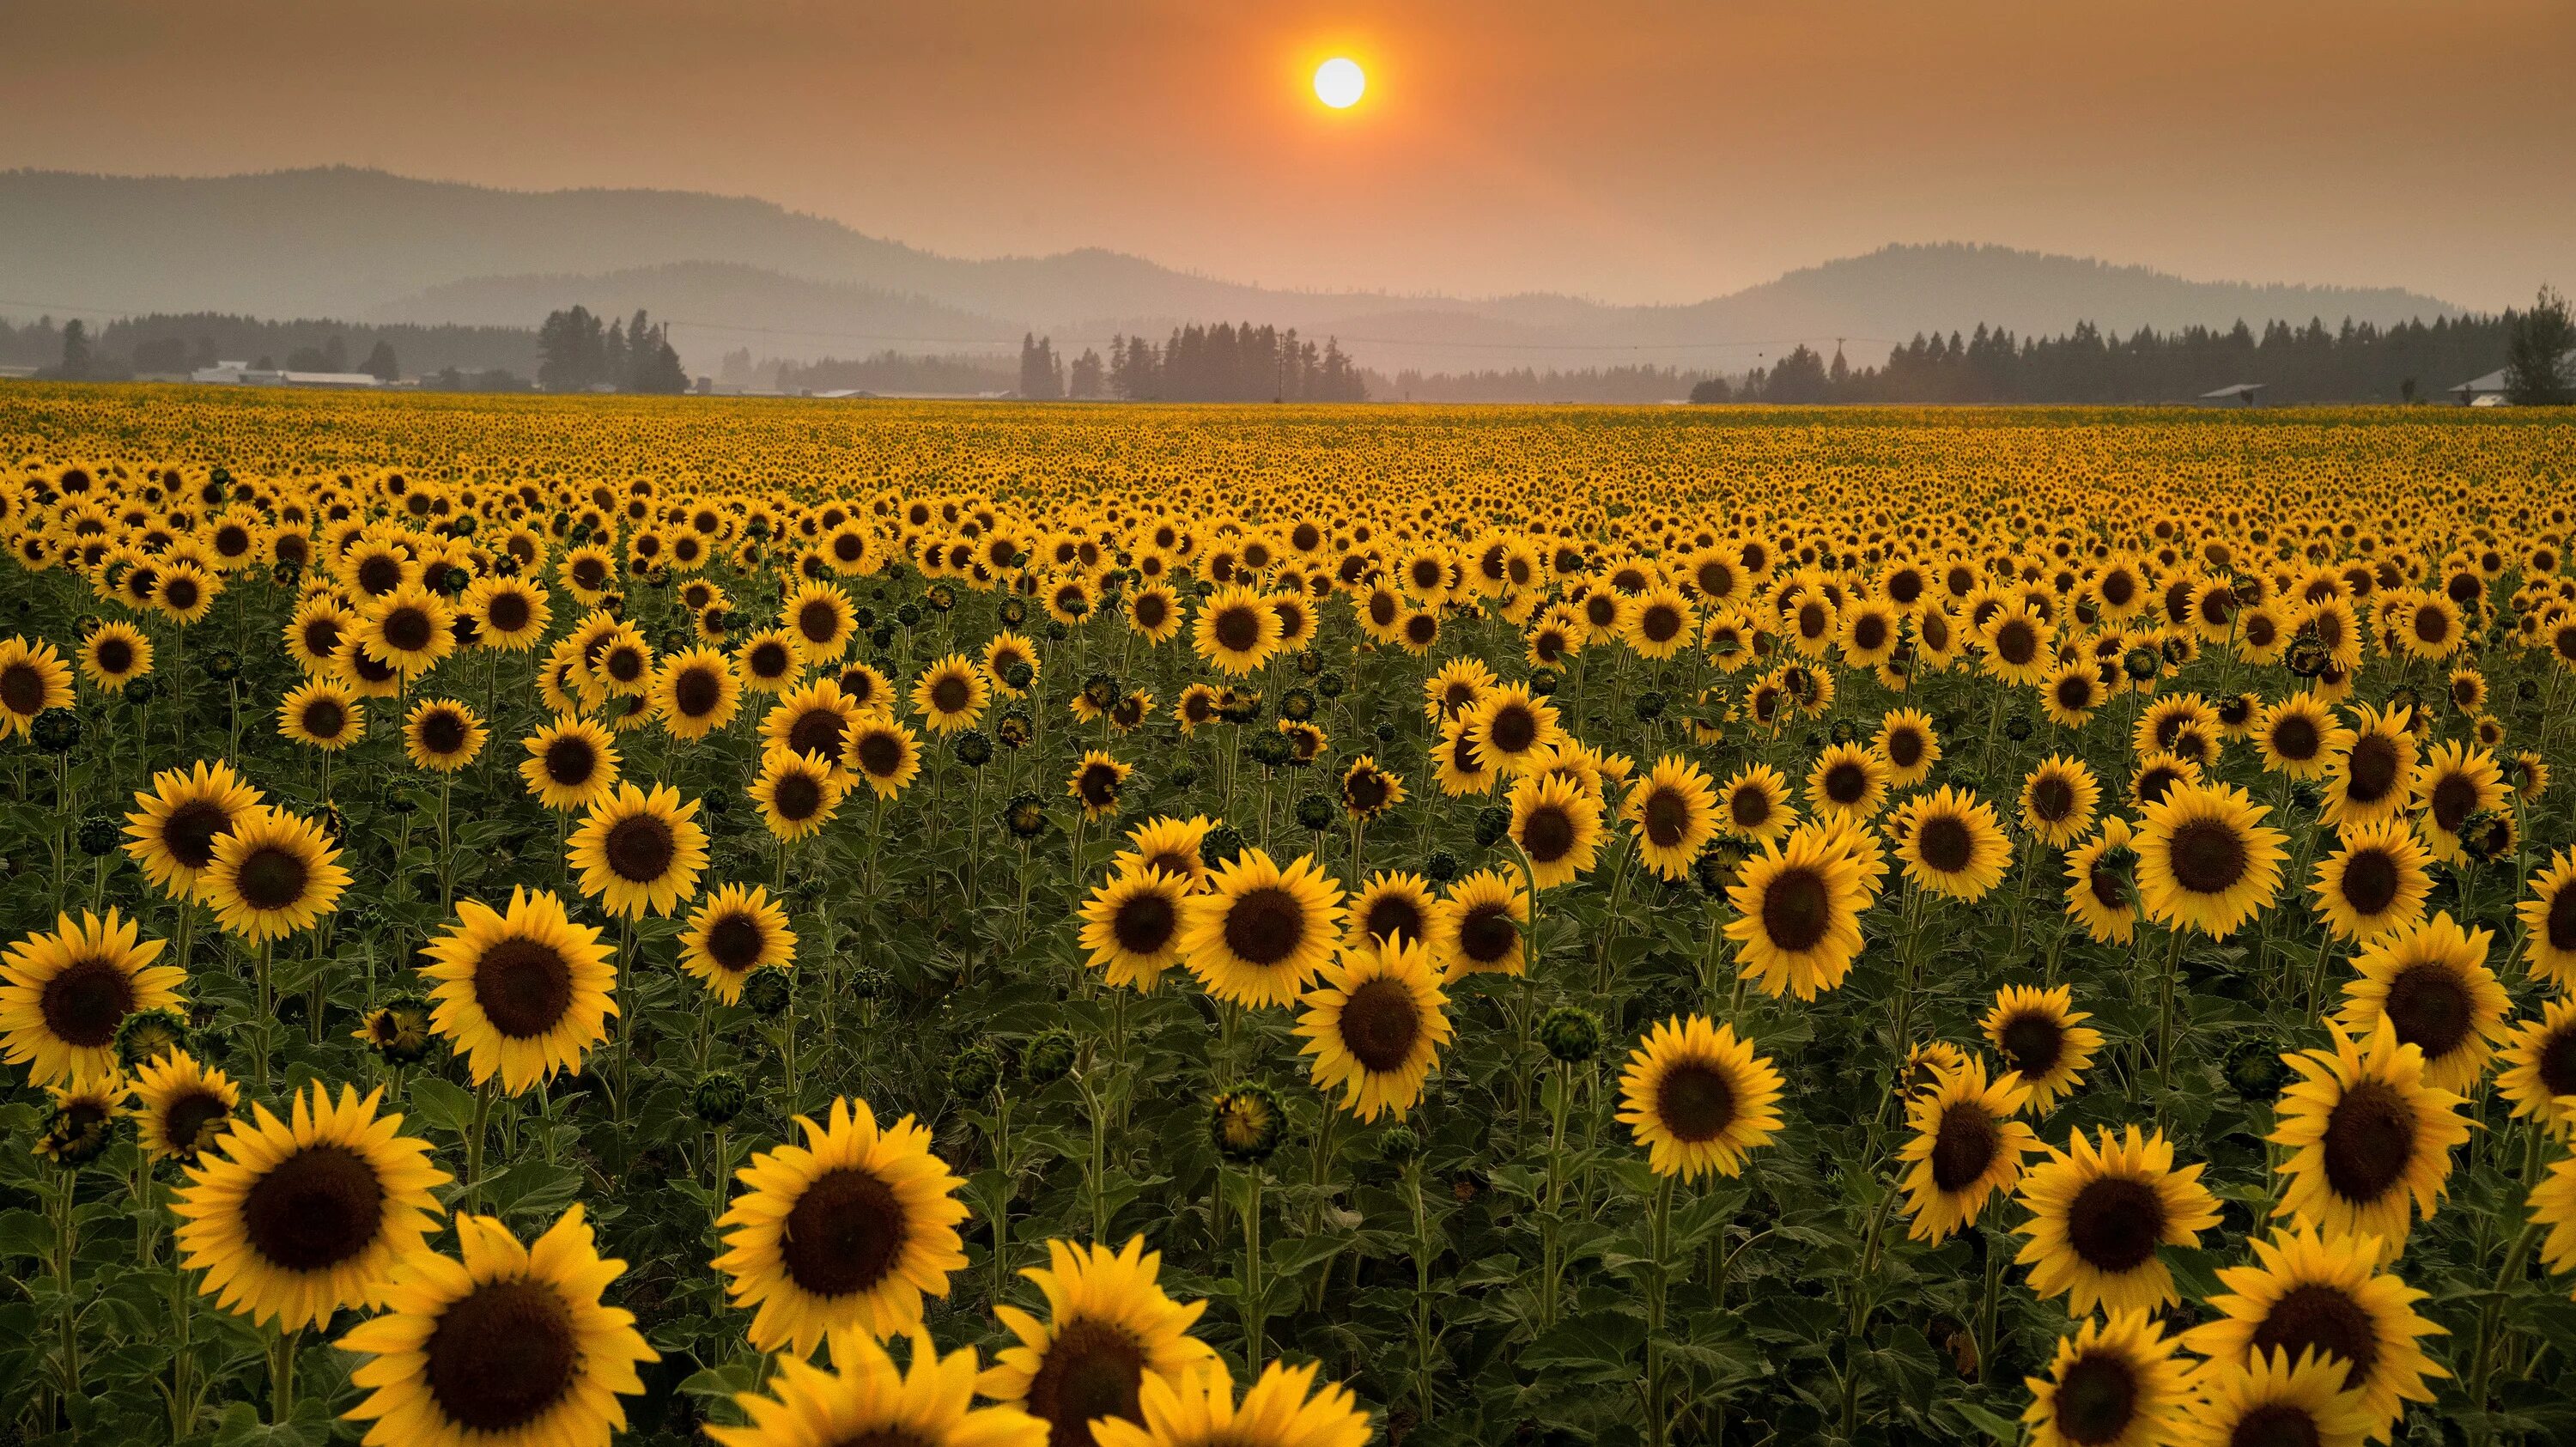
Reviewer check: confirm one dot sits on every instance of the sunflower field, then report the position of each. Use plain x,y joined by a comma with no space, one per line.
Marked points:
822,924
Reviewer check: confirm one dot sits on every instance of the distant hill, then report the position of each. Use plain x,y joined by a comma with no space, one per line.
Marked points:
370,246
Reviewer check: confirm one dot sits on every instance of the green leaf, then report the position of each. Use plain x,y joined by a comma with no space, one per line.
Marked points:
1987,1422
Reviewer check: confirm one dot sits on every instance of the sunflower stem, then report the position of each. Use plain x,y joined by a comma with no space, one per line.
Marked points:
281,1375
483,1093
1253,1303
1658,1279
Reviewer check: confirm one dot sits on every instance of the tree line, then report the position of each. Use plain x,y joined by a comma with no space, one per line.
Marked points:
2359,362
1220,363
576,353
173,343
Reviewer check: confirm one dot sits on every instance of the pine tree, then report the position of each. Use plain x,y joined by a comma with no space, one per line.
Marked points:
2538,371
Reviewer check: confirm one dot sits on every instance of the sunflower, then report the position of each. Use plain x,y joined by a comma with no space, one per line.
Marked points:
187,593
2370,1142
2070,694
1109,1328
2324,1294
737,931
33,678
1153,613
2430,980
2539,1074
1909,745
2036,1033
2204,859
176,823
1258,934
1195,708
114,655
1757,804
1951,844
2553,1204
508,614
1480,926
821,618
1282,1409
1131,925
1096,781
1237,630
1847,780
2372,775
571,765
863,1398
181,1109
639,853
621,667
2058,800
2115,1383
1698,1098
64,995
1557,825
770,660
81,1124
1460,766
695,693
503,1345
1368,791
797,794
442,735
2266,1399
951,694
522,992
301,1217
2376,883
1375,1023
2020,646
1966,1147
1170,847
323,714
1455,688
2099,1212
1512,729
1674,812
1797,914
816,718
2548,922
2453,784
408,630
2101,889
317,632
846,1231
275,874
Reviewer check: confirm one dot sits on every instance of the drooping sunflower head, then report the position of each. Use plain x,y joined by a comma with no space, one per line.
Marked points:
1698,1098
1109,1326
1258,933
298,1218
503,1343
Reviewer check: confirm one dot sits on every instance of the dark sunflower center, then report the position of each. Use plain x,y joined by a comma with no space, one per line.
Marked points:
1237,629
2115,1223
949,694
2052,799
2016,642
115,655
625,665
640,849
324,718
409,630
322,637
1393,915
2097,1399
1151,611
818,731
1668,818
1548,834
697,692
571,761
22,689
1422,628
2276,1424
1945,844
501,1356
797,797
1846,782
1513,730
193,1122
1144,923
507,612
2075,693
378,574
2110,888
819,621
524,986
85,1003
1695,1101
1869,633
315,1209
2369,1141
2296,738
1796,910
442,732
1660,623
2430,1006
2371,769
2209,856
1749,807
2033,1043
2323,1319
180,593
2556,1060
1380,1023
1488,934
1091,1370
272,878
2370,882
1905,748
1265,926
1100,786
844,1235
190,832
1963,1146
1365,790
769,660
2454,797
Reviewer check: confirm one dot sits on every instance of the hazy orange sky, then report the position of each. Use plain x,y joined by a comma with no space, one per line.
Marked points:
1633,150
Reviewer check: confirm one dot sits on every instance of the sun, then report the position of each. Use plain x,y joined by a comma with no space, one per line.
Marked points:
1339,82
